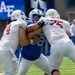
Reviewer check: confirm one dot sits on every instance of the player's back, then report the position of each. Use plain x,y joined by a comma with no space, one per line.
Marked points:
55,29
10,36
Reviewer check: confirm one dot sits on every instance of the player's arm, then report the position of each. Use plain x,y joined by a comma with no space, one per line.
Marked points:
68,29
32,27
31,34
24,41
35,26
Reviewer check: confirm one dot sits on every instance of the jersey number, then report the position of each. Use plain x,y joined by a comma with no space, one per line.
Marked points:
8,29
57,22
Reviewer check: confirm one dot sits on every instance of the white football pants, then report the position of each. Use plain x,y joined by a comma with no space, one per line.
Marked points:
6,62
42,63
63,47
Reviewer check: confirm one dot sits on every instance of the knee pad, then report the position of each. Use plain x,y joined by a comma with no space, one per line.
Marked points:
53,71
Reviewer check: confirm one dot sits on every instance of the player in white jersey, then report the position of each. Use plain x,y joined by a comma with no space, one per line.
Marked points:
14,34
54,30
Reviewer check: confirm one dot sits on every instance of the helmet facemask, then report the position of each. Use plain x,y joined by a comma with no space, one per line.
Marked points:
35,14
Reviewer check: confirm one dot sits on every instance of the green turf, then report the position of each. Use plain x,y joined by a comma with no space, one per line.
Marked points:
67,68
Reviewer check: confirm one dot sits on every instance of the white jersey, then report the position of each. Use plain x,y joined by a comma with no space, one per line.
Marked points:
10,36
55,29
72,29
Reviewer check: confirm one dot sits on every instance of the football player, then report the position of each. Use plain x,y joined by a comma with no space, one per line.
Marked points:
14,33
55,31
31,54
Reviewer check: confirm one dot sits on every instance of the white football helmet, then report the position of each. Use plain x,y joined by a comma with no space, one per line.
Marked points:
35,11
17,14
52,13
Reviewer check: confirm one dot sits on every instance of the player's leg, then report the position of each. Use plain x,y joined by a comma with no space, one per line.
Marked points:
71,51
55,59
43,64
48,59
46,50
24,66
6,62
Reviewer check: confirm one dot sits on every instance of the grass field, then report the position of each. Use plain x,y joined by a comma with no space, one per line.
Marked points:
67,68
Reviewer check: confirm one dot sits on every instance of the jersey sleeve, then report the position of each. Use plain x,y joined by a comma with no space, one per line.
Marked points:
66,26
22,24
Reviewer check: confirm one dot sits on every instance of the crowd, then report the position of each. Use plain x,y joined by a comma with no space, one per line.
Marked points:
41,38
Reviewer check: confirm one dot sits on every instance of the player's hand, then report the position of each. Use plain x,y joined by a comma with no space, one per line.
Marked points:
42,22
36,39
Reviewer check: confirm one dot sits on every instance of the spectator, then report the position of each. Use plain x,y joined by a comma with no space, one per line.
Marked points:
72,31
14,33
72,28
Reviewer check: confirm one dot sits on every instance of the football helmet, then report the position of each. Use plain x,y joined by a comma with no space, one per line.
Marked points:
17,14
35,12
52,13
